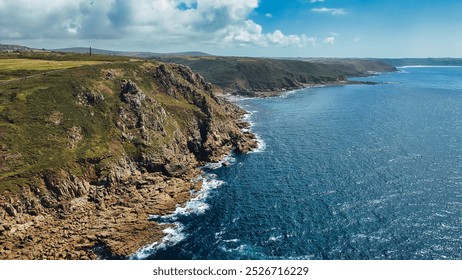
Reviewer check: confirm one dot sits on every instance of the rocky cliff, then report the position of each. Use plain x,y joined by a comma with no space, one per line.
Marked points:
263,76
87,154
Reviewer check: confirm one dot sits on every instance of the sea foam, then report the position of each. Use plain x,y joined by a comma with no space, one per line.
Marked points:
196,205
175,234
261,144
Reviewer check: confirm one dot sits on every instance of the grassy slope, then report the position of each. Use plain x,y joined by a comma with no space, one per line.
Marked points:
20,65
18,68
41,116
261,74
224,71
38,116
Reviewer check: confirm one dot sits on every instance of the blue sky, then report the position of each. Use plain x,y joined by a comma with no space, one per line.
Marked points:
305,28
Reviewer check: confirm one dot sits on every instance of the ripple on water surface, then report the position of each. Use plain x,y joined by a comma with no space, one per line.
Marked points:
347,172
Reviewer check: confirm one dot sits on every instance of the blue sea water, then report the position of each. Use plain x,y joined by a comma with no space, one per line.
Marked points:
345,172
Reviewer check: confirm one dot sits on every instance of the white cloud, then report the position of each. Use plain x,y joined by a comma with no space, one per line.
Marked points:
333,11
268,15
152,22
356,39
315,1
252,34
329,40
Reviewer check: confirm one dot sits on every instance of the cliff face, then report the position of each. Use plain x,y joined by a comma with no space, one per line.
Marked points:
89,153
262,76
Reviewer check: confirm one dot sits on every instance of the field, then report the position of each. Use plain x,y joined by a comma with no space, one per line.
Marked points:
40,65
17,66
38,110
69,118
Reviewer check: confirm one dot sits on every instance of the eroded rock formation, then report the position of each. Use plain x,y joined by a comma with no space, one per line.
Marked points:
164,122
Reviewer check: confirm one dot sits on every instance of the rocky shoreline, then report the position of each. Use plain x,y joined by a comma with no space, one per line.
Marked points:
98,207
278,92
112,221
103,211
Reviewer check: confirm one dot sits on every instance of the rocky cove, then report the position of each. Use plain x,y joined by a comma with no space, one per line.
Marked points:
148,126
88,154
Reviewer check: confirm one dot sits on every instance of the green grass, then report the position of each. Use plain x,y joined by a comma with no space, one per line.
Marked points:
39,114
61,56
264,74
19,65
11,69
41,65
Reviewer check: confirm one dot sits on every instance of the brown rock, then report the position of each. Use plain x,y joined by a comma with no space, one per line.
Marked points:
10,210
8,246
109,203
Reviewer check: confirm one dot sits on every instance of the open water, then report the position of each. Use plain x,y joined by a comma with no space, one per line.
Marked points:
344,172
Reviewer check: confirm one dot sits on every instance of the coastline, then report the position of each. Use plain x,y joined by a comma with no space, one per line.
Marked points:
278,92
229,229
62,216
103,212
99,231
174,233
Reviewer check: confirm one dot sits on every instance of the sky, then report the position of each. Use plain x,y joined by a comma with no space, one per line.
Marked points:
262,28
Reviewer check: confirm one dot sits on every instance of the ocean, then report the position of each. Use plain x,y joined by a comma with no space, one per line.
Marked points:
343,173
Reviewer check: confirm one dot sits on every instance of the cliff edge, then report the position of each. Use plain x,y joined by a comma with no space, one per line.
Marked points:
88,153
250,76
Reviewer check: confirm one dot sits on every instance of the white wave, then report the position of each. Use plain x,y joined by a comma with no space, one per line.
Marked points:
241,249
196,205
429,66
237,98
231,240
261,145
227,160
248,117
275,238
218,234
286,94
173,235
302,257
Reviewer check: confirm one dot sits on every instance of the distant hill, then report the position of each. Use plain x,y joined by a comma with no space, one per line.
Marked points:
131,54
264,76
258,76
5,48
354,66
397,62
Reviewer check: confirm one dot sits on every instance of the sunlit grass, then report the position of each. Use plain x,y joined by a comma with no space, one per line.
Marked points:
17,68
41,65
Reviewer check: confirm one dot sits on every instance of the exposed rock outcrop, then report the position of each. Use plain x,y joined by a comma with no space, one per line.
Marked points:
165,122
261,77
